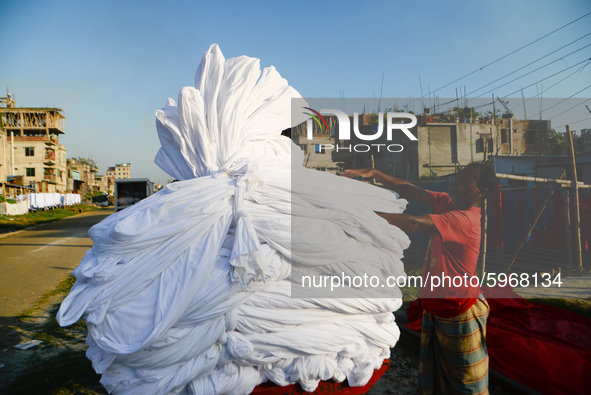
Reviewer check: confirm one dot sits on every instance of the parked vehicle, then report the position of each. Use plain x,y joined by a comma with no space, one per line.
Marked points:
131,190
101,200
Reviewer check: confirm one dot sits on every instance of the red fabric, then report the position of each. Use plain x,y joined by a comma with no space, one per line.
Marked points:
452,254
494,237
546,348
507,224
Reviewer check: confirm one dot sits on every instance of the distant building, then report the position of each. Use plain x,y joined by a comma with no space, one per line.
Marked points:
120,171
443,145
82,173
104,184
30,146
582,142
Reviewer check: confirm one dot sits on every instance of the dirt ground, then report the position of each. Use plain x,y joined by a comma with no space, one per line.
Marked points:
58,365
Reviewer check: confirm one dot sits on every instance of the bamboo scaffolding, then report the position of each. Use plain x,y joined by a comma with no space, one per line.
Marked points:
568,183
533,224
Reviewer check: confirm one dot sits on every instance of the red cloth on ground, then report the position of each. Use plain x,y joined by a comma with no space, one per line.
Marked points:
546,348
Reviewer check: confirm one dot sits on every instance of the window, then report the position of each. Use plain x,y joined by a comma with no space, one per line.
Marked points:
453,137
489,145
30,171
29,151
504,136
479,145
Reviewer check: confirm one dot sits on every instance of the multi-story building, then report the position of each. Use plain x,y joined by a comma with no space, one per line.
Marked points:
119,171
443,145
31,148
582,142
104,184
82,173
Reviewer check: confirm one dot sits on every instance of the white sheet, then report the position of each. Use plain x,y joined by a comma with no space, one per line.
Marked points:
188,291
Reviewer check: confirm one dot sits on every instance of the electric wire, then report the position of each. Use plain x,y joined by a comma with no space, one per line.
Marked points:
562,101
538,59
507,55
518,78
528,86
550,76
550,87
573,123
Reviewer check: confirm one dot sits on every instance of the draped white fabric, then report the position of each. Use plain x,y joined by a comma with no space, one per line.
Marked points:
39,201
189,291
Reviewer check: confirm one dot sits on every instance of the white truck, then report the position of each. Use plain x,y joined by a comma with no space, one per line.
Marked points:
131,190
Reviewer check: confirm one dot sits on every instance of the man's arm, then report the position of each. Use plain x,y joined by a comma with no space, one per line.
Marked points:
411,223
404,188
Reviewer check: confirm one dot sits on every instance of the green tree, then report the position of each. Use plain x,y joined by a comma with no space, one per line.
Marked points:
466,112
556,143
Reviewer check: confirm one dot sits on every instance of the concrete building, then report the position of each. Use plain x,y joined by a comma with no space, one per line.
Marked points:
120,171
582,141
82,173
31,148
104,184
441,148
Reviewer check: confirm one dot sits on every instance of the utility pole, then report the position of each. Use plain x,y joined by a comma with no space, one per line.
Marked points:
471,141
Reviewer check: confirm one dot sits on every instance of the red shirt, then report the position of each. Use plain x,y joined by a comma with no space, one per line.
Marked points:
450,262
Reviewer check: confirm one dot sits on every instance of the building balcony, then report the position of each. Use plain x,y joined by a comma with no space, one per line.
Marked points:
50,178
33,119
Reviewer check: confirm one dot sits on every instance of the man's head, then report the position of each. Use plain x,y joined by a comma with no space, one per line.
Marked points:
475,182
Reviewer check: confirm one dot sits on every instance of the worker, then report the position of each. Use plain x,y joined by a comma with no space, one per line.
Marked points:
453,355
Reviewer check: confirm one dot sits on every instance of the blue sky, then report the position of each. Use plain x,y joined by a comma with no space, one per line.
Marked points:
110,64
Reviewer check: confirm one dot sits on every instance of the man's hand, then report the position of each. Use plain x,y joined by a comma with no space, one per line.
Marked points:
404,188
366,173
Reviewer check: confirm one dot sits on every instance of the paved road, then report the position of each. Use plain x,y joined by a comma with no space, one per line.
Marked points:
34,261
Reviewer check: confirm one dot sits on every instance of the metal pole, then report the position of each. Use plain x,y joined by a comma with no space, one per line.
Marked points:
571,153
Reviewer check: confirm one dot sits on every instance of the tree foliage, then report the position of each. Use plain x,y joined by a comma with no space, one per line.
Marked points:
556,143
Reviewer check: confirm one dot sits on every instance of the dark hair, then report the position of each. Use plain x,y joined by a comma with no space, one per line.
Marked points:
484,176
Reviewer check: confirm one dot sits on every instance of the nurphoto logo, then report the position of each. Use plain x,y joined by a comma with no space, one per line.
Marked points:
344,132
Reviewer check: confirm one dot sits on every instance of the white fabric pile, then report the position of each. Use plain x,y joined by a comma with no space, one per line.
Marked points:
189,290
38,201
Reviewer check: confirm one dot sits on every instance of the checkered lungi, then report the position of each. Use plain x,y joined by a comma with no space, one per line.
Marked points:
453,357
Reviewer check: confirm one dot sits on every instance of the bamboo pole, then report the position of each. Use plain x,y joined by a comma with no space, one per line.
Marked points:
571,154
539,179
569,253
484,229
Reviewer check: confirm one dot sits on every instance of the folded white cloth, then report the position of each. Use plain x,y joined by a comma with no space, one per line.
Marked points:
189,291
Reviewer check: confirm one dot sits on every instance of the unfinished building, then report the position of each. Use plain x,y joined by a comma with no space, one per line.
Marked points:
30,148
